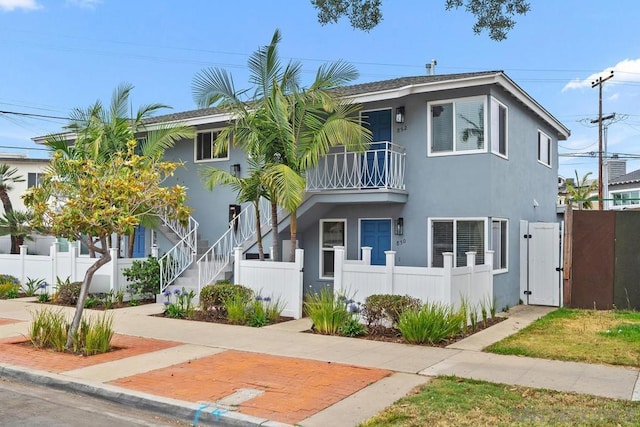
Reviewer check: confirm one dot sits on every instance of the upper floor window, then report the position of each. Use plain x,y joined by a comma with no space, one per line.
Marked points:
457,126
34,179
544,148
205,147
499,122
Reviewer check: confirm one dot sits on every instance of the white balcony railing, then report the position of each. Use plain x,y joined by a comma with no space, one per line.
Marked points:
382,166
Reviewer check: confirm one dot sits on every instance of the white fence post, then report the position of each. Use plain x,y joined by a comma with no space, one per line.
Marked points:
488,258
73,255
338,266
390,266
154,251
447,264
366,255
23,254
53,253
237,259
113,280
300,285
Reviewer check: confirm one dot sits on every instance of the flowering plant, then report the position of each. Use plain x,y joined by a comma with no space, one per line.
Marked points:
183,305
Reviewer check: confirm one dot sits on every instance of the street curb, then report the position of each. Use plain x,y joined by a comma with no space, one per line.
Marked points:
202,413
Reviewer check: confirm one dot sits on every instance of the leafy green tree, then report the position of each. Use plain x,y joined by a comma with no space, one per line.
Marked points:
494,16
289,126
87,197
8,177
580,190
102,131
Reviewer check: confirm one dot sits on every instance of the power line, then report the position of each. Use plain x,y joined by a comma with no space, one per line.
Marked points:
45,116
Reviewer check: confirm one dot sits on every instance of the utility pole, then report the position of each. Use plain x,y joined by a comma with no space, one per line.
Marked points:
605,173
599,83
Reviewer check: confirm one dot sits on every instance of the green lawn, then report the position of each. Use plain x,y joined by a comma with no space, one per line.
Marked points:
607,337
450,401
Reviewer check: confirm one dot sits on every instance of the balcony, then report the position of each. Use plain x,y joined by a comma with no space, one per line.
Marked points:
380,167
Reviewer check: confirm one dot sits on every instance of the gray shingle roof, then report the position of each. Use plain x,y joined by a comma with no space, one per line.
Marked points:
629,178
357,89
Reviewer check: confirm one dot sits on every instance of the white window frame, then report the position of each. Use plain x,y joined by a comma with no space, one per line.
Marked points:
322,249
495,129
213,141
455,249
37,177
549,141
504,250
454,151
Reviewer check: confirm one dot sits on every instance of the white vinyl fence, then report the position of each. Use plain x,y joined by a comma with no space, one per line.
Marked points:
65,265
277,280
359,279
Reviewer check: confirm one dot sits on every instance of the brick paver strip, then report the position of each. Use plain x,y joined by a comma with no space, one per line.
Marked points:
8,321
11,352
294,389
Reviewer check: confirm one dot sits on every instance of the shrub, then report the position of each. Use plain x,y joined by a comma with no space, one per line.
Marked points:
34,285
378,309
67,292
144,277
213,297
431,324
328,313
48,329
182,307
9,286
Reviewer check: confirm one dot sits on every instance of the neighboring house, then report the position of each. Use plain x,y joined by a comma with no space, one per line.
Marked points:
31,170
457,161
624,190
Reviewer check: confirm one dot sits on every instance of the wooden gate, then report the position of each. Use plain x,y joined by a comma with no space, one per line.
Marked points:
540,266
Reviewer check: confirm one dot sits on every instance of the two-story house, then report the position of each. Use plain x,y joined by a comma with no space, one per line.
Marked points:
457,161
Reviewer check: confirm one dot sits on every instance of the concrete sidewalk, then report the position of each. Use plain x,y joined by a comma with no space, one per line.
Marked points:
279,376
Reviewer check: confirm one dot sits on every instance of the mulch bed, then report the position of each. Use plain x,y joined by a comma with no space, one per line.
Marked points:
214,317
101,306
381,333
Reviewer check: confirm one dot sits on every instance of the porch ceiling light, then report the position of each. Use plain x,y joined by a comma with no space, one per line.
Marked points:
400,115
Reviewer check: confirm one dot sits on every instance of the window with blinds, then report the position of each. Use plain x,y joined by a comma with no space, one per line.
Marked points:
457,236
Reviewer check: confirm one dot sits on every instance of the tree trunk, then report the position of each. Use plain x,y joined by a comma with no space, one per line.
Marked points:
6,204
293,226
256,205
15,245
274,229
131,243
84,290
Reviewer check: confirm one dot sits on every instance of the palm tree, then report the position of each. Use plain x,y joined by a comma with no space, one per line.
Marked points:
249,189
100,132
580,191
290,128
8,177
18,225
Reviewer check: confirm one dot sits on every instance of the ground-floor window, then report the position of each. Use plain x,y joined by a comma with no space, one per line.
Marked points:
499,239
332,233
458,236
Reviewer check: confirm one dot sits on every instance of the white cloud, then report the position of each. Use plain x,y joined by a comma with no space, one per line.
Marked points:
10,5
627,70
614,97
86,4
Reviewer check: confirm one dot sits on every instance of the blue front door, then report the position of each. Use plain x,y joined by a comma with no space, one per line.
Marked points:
377,234
138,243
375,164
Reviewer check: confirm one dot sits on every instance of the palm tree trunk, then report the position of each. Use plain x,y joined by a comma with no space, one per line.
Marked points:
274,229
293,226
256,204
8,208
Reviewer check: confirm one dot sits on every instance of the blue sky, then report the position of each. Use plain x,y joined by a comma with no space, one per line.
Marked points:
61,54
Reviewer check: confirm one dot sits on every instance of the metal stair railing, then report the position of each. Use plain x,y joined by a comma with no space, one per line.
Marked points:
177,259
241,230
